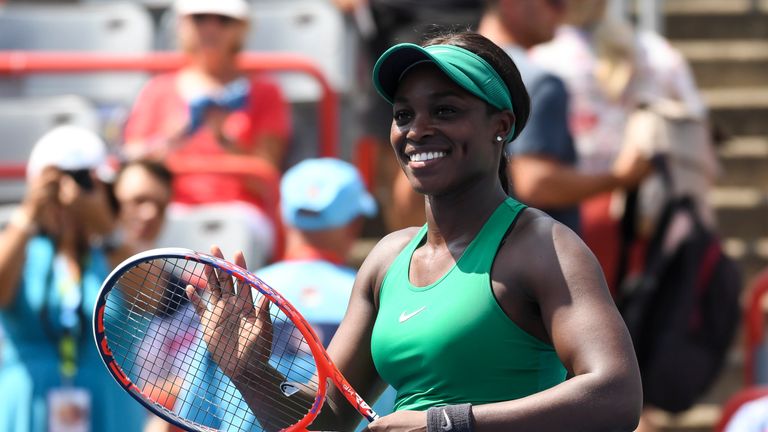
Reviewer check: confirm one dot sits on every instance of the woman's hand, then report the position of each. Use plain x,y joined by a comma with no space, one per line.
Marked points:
238,336
400,421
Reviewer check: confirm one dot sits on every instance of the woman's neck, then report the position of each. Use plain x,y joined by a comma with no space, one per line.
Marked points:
458,217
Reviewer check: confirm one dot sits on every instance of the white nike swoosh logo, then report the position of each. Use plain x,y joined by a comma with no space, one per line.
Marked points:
447,426
406,316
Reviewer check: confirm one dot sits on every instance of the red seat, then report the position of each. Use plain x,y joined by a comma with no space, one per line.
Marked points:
736,401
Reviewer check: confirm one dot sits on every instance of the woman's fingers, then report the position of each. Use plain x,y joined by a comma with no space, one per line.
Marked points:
225,279
213,283
240,260
196,300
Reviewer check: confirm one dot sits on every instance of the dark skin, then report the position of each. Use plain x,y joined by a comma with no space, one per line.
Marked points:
544,277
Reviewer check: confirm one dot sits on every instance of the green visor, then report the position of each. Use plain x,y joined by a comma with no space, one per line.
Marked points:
463,67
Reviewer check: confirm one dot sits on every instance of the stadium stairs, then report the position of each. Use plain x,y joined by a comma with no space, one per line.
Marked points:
726,43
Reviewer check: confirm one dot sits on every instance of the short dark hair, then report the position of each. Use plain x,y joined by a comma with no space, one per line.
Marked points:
157,169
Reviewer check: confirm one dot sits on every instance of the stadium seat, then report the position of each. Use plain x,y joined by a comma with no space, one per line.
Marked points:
200,226
116,27
24,120
312,28
738,399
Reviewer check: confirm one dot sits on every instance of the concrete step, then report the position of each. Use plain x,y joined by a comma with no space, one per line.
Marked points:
739,111
741,212
727,63
734,121
720,73
705,25
744,161
743,98
750,253
737,50
713,7
744,146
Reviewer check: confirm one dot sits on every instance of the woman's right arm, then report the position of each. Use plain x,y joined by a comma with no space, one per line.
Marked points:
22,226
349,349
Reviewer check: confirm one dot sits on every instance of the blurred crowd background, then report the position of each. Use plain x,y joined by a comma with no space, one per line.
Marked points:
159,137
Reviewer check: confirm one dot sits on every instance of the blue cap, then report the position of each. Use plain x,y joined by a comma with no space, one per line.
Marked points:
318,194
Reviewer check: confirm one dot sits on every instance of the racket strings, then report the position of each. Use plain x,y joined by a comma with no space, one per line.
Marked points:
156,336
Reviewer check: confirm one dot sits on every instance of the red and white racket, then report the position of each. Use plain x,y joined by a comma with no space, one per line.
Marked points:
139,335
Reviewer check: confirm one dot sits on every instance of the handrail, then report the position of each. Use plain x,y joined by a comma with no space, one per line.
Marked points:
26,62
12,171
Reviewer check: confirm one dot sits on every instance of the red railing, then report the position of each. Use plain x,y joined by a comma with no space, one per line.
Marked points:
26,62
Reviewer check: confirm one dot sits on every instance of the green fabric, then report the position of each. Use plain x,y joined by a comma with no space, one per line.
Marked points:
456,344
462,66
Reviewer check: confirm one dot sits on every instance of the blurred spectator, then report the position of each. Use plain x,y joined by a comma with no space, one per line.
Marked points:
142,189
383,23
209,108
617,78
51,267
542,160
631,90
323,204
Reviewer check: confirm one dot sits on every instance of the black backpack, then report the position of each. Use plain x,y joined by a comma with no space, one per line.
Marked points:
682,310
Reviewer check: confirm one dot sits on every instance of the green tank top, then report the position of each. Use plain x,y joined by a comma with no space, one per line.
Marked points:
450,342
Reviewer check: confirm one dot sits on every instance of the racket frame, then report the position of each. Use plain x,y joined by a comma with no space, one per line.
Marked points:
326,369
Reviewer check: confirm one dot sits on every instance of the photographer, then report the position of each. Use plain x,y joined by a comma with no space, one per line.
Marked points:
52,264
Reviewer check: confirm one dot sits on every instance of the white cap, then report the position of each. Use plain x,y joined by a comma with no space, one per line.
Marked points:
237,9
68,148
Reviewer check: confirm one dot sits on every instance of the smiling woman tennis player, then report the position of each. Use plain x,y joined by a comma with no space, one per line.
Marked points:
477,317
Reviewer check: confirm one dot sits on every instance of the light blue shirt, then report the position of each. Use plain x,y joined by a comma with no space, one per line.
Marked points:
29,360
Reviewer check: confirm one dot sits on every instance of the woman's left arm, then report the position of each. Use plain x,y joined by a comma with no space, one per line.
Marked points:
589,335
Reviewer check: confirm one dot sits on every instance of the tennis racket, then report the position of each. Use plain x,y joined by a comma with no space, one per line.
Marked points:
151,336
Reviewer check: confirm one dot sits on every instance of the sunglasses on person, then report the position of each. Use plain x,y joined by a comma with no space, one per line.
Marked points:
222,20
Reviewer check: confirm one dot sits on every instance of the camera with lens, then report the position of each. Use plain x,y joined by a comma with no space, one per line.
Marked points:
82,177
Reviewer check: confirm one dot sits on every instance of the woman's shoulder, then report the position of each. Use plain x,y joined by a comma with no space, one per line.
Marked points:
392,244
537,233
385,252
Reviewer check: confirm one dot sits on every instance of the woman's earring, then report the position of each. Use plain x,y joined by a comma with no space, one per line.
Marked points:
499,138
